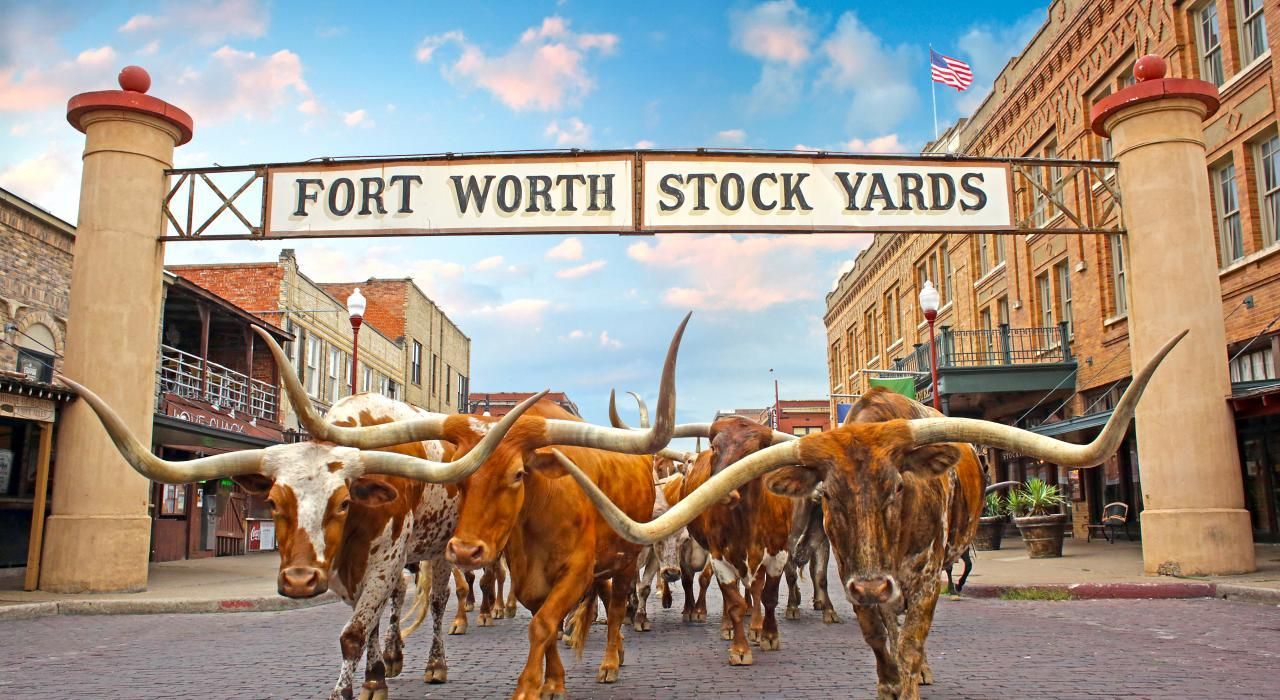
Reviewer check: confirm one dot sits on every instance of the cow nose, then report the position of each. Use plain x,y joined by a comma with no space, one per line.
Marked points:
871,591
302,582
466,555
671,574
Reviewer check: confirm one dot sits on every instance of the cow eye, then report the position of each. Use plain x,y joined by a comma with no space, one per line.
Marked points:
271,502
346,504
519,475
897,490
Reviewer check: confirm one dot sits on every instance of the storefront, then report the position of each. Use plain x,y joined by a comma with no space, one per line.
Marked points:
28,410
1257,410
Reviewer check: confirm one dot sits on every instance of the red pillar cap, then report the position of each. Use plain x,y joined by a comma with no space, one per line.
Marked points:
134,81
1152,85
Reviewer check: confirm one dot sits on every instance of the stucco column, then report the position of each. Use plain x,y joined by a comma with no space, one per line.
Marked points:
99,534
1194,521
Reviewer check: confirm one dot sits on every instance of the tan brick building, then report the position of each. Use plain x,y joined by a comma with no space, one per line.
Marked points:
1034,329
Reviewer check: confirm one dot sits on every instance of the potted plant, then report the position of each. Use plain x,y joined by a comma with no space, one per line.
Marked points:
991,524
1034,507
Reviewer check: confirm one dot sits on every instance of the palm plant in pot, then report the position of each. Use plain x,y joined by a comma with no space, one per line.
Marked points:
1034,507
991,525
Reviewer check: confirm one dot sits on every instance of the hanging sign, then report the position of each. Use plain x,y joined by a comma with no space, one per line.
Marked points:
636,192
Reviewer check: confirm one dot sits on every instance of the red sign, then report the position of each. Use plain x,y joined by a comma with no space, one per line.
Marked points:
199,413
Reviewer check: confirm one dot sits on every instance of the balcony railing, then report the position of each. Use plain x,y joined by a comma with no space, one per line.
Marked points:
983,348
183,374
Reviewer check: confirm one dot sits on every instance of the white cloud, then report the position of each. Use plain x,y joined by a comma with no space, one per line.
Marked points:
571,273
353,119
36,88
50,179
731,137
140,23
879,79
607,342
888,143
104,55
150,49
238,83
776,32
489,263
742,273
544,70
205,23
525,311
988,48
644,143
572,133
568,249
577,334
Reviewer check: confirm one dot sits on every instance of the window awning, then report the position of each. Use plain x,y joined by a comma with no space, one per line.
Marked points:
1071,425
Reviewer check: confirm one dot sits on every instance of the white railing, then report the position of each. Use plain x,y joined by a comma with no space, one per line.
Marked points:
181,373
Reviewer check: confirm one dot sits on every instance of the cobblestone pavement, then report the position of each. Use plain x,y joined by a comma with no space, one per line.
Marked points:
978,649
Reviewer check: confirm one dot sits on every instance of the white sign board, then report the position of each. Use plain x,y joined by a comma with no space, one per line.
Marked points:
637,192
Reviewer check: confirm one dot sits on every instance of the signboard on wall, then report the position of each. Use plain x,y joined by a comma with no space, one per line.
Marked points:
636,192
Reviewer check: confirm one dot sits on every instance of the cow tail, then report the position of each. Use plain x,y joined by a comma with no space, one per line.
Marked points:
421,601
583,618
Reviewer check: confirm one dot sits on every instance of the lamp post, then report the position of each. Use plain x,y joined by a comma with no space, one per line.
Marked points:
355,308
777,405
929,304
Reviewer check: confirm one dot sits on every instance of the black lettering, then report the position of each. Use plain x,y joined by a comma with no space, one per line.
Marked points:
473,192
741,195
304,196
980,197
505,187
791,191
404,181
755,191
912,186
880,190
539,186
567,182
936,183
350,186
369,194
700,204
851,189
596,191
668,189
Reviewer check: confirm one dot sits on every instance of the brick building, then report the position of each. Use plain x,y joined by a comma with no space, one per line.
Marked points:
1033,329
500,403
794,416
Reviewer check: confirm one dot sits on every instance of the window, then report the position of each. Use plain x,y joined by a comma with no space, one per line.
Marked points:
1002,310
415,366
448,382
36,353
384,385
1253,31
367,383
462,393
984,261
1117,274
1043,210
870,328
988,337
1046,301
1269,188
946,275
834,364
435,370
1063,272
851,346
314,349
891,324
173,499
1209,43
393,389
1231,237
805,429
1253,366
335,372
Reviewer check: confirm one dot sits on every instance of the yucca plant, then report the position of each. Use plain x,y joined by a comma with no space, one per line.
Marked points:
1036,497
993,506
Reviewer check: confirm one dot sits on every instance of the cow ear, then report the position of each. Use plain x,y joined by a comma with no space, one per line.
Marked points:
930,460
545,463
255,484
796,482
372,492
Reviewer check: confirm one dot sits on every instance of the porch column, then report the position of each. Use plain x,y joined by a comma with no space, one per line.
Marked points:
98,537
1194,520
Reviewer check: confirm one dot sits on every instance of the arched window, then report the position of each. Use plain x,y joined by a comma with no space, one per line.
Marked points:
36,352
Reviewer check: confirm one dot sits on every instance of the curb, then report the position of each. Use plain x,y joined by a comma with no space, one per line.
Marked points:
26,611
1101,591
1248,594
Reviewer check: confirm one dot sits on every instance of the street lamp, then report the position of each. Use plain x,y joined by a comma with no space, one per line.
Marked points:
355,308
929,304
777,405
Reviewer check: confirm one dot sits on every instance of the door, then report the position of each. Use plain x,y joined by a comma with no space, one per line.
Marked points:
231,522
1259,449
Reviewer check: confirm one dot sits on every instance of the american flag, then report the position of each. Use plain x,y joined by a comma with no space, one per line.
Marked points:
949,71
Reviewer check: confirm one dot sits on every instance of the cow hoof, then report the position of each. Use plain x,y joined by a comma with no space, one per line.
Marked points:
393,666
458,627
436,675
817,604
471,605
551,692
607,675
753,636
484,620
792,613
926,675
726,634
831,618
770,641
373,694
666,601
699,615
740,657
497,613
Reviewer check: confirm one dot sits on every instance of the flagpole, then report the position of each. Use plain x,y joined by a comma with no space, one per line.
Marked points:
934,90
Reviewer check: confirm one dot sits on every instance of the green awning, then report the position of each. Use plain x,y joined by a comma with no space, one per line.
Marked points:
902,385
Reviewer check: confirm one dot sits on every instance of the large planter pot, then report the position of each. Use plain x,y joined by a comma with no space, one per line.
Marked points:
990,532
1042,534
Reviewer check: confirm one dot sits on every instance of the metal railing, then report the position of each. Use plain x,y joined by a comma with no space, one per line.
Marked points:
183,374
999,346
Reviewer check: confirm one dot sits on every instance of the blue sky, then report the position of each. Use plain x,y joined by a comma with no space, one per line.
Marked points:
288,81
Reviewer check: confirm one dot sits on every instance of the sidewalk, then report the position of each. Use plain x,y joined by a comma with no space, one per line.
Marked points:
220,584
1101,570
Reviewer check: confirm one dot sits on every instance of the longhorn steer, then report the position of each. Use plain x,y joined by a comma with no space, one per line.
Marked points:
891,491
810,547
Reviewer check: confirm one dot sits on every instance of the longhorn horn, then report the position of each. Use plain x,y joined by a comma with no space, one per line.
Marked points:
154,468
926,431
1000,485
703,430
408,466
428,427
616,420
688,508
642,408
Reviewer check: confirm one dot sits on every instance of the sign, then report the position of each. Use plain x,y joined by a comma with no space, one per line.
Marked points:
197,413
27,407
637,192
262,535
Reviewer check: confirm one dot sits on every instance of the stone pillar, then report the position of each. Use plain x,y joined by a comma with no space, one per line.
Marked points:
1194,520
99,534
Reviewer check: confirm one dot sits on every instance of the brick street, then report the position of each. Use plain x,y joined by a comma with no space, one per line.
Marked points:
979,649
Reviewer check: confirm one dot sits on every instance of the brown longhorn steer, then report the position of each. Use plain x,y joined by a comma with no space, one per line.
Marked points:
889,488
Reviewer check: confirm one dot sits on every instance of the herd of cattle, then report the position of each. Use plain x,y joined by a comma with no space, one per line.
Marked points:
895,492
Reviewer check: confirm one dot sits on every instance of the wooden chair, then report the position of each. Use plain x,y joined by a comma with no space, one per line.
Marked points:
1114,515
